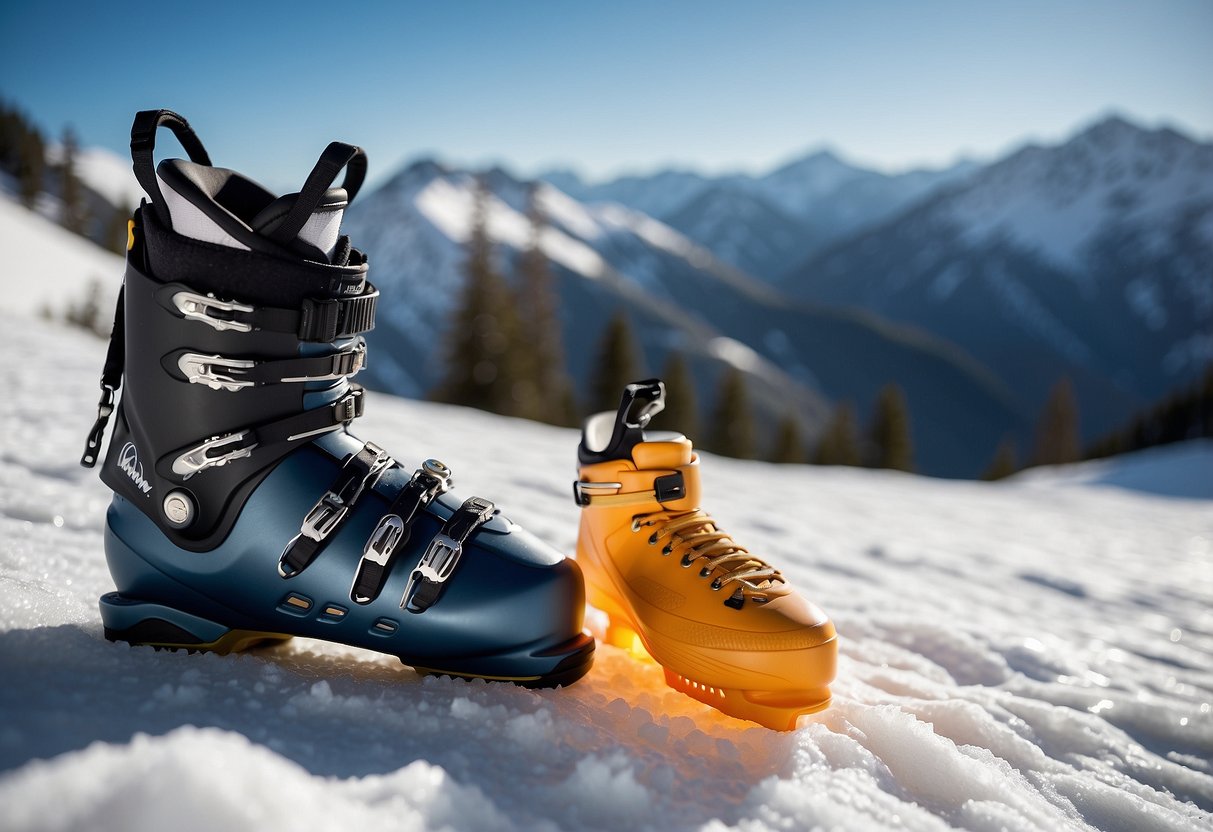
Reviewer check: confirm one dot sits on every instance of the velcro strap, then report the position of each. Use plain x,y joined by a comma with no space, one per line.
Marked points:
315,321
359,474
438,564
328,320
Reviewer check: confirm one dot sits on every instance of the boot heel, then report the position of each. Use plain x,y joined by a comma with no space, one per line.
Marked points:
155,625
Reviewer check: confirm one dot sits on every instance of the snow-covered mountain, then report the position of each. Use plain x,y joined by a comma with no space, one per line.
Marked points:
1093,258
1027,655
764,223
678,295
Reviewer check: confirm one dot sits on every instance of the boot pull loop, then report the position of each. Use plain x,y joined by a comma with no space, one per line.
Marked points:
336,156
143,145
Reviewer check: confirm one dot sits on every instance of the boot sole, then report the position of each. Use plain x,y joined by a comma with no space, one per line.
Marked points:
777,710
143,623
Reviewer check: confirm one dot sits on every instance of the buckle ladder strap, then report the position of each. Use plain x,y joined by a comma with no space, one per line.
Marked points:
665,489
221,373
316,320
143,144
111,380
336,156
239,444
393,530
438,563
359,474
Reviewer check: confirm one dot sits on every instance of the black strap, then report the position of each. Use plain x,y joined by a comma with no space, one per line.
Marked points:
357,475
240,444
394,529
111,380
143,145
438,563
316,321
336,156
235,374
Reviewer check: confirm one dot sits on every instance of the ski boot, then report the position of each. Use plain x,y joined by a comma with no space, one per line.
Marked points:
725,626
244,510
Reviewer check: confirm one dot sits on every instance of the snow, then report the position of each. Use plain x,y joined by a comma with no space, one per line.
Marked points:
60,272
1030,654
105,172
1055,200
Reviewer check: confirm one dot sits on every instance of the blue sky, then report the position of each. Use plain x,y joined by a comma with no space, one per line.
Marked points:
609,87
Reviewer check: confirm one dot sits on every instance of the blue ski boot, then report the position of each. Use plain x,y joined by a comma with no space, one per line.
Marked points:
244,511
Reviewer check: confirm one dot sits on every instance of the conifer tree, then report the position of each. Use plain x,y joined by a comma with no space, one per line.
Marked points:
788,447
617,364
543,387
74,213
1057,431
1004,463
681,411
22,153
892,446
839,444
481,358
732,430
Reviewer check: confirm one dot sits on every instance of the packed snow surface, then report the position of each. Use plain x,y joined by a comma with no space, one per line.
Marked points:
1033,654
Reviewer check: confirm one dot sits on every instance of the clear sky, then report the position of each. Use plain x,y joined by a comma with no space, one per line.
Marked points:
608,87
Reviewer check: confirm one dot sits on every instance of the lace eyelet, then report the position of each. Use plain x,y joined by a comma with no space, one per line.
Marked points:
716,585
685,564
705,572
667,550
759,599
653,539
635,524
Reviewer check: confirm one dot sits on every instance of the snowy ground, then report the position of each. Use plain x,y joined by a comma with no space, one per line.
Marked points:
1025,655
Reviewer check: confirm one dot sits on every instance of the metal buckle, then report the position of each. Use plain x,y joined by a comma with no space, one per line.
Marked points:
324,517
436,566
440,473
331,509
198,458
344,364
346,409
383,540
198,307
199,369
580,487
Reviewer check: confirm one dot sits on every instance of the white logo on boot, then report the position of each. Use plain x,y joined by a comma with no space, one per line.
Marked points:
128,463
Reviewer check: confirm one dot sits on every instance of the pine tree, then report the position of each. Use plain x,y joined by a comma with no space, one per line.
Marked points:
481,354
617,365
544,388
1057,431
681,404
1004,463
839,444
732,431
788,447
88,314
892,446
22,153
74,213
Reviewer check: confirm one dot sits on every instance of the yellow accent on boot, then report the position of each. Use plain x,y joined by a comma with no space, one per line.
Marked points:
724,624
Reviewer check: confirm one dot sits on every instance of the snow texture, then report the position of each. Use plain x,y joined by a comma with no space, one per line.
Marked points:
1033,654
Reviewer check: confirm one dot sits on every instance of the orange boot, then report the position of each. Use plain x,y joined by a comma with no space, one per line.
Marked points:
726,626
